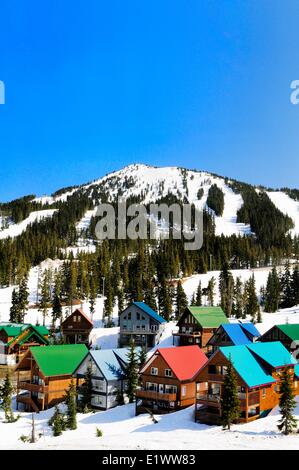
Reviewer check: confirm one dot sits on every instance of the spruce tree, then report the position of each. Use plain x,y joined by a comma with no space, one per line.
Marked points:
287,403
198,299
6,392
132,371
23,299
210,291
226,289
238,298
230,404
181,301
15,307
71,403
86,391
57,422
252,307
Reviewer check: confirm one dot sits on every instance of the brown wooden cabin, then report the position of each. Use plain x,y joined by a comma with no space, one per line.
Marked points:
16,338
76,328
258,368
198,324
44,374
287,334
168,379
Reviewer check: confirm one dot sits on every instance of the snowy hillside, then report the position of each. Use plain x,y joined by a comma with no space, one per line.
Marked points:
16,229
152,183
287,206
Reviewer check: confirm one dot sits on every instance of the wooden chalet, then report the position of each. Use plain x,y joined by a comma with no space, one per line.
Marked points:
287,334
198,324
16,338
76,328
232,334
44,374
141,323
168,379
258,368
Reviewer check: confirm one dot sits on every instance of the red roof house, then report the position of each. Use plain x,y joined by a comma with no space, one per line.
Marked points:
168,379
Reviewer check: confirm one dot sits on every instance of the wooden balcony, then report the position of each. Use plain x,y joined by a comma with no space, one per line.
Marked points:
151,395
207,398
33,387
194,334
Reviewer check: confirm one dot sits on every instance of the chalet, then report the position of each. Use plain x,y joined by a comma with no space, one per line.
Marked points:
141,323
108,368
44,374
198,324
168,379
287,334
233,334
16,338
257,366
76,328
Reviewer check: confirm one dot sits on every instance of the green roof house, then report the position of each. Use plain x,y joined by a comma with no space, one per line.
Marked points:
49,373
287,334
16,338
198,324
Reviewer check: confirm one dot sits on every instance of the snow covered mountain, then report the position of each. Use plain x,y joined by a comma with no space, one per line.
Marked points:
149,184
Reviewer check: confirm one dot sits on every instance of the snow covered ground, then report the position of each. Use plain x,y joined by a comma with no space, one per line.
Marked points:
15,230
123,431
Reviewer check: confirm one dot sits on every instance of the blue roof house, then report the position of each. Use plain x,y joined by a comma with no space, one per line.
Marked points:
258,368
233,334
141,323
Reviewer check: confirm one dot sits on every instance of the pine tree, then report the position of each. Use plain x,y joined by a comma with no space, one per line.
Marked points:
45,297
86,391
165,301
287,403
132,371
252,307
142,356
238,298
272,293
226,289
198,299
70,401
230,404
15,307
286,284
6,392
181,301
23,299
57,422
210,291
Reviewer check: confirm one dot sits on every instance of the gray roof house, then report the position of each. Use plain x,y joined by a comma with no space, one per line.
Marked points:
108,376
141,323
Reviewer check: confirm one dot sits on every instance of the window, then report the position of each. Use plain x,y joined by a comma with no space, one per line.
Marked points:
170,389
276,388
143,327
138,316
264,393
212,369
79,318
129,316
74,318
168,373
154,371
151,387
143,318
124,326
184,390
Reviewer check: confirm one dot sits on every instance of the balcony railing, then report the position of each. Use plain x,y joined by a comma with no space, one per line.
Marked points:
208,397
33,387
152,395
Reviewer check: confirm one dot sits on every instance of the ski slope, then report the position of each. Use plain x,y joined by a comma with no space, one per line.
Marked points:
14,230
287,206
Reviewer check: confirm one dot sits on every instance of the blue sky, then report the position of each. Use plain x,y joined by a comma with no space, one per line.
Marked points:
92,86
